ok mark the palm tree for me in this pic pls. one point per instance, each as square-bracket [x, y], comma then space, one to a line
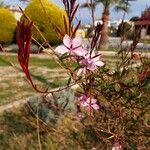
[124, 6]
[104, 41]
[92, 7]
[1, 3]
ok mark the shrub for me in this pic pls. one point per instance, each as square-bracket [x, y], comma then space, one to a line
[7, 26]
[135, 18]
[45, 21]
[112, 104]
[123, 29]
[47, 106]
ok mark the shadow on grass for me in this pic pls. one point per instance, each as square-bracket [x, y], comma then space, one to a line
[11, 124]
[37, 77]
[57, 82]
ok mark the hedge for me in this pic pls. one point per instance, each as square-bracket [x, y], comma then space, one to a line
[46, 20]
[7, 26]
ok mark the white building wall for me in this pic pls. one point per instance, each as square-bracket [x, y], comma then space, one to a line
[101, 22]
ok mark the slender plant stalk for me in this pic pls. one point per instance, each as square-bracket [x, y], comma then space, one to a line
[38, 127]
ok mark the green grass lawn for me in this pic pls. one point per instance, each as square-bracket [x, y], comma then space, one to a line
[6, 60]
[18, 88]
[46, 73]
[14, 85]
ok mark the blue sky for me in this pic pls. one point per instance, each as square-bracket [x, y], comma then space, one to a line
[136, 8]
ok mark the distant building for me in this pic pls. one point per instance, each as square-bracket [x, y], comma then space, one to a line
[143, 23]
[115, 24]
[101, 22]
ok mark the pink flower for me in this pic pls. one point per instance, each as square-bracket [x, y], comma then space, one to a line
[117, 146]
[135, 56]
[71, 46]
[90, 63]
[81, 115]
[88, 102]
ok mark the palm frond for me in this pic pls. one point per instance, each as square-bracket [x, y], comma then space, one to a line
[122, 8]
[107, 3]
[88, 5]
[1, 4]
[123, 5]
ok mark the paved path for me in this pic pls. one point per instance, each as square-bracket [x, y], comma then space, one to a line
[44, 55]
[115, 41]
[112, 53]
[14, 104]
[37, 55]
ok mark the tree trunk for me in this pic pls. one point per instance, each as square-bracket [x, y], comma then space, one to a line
[104, 39]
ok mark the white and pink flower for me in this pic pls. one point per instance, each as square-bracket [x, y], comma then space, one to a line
[88, 102]
[117, 146]
[90, 62]
[71, 46]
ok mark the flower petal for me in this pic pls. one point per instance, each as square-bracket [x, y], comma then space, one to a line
[93, 101]
[79, 71]
[84, 70]
[76, 42]
[84, 104]
[67, 41]
[61, 49]
[95, 106]
[91, 67]
[99, 63]
[88, 100]
[83, 98]
[92, 55]
[97, 58]
[80, 51]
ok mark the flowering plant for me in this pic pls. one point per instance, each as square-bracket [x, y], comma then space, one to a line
[112, 103]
